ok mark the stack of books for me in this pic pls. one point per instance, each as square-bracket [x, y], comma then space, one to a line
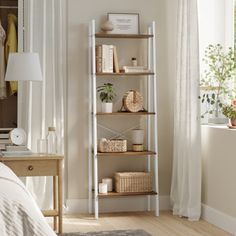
[4, 138]
[106, 59]
[135, 69]
[14, 150]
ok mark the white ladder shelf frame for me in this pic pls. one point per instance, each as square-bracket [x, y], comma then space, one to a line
[93, 155]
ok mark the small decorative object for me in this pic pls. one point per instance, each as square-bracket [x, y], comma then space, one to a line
[52, 140]
[106, 95]
[102, 188]
[113, 145]
[230, 112]
[134, 61]
[107, 26]
[18, 136]
[124, 23]
[132, 101]
[216, 80]
[137, 136]
[137, 139]
[133, 182]
[108, 181]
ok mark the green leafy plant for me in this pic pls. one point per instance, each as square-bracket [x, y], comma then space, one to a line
[217, 79]
[230, 110]
[106, 92]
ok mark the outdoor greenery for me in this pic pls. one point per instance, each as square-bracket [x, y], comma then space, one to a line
[217, 79]
[106, 92]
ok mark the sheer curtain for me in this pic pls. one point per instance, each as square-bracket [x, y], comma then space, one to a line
[43, 104]
[186, 173]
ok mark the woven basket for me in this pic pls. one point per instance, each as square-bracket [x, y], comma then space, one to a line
[133, 101]
[133, 182]
[113, 145]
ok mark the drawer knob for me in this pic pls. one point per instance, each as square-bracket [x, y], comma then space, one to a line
[30, 168]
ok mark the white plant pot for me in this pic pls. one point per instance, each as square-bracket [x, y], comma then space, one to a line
[107, 107]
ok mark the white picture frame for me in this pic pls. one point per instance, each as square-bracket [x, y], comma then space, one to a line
[124, 23]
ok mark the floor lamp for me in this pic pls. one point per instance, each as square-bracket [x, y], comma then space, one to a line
[24, 67]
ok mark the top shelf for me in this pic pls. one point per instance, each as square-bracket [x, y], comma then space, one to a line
[124, 36]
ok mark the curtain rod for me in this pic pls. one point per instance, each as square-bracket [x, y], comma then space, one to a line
[8, 7]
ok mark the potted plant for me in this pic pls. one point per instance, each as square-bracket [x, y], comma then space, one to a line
[217, 80]
[106, 95]
[230, 112]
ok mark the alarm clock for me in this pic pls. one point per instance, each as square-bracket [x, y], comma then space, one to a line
[18, 136]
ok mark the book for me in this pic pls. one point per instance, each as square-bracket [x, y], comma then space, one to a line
[115, 58]
[98, 58]
[5, 141]
[104, 58]
[16, 148]
[135, 69]
[16, 153]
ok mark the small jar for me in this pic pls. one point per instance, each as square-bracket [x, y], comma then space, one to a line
[134, 61]
[52, 140]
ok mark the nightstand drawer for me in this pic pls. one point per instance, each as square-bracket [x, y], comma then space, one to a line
[33, 168]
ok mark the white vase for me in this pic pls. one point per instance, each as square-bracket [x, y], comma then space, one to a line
[107, 107]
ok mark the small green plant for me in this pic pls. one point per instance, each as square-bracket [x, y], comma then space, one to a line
[217, 79]
[230, 110]
[106, 92]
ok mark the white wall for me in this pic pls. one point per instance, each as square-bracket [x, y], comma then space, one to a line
[79, 14]
[218, 178]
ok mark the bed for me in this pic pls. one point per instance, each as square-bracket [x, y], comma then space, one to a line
[19, 213]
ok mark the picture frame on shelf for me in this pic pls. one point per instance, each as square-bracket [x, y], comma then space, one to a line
[124, 23]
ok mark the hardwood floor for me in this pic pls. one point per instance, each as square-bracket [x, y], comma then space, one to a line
[165, 225]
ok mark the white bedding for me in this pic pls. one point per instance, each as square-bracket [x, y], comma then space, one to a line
[19, 214]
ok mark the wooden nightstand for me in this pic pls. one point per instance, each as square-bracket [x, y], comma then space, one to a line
[42, 165]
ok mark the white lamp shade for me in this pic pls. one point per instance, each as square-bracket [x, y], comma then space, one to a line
[23, 66]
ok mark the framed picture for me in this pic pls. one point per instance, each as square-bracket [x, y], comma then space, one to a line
[124, 23]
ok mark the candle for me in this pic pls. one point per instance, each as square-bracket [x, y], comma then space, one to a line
[102, 188]
[108, 181]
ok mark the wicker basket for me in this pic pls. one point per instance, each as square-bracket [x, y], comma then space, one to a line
[113, 145]
[133, 182]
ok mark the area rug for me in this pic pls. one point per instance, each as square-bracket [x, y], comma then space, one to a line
[112, 233]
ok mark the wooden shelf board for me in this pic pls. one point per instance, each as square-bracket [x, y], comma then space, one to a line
[124, 36]
[50, 213]
[115, 194]
[125, 113]
[128, 153]
[125, 74]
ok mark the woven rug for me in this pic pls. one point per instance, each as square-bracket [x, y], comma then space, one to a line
[112, 233]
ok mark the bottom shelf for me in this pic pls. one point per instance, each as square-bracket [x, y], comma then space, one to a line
[115, 194]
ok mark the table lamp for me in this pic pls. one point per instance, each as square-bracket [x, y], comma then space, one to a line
[25, 66]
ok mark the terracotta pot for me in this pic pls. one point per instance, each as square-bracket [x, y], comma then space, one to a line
[233, 121]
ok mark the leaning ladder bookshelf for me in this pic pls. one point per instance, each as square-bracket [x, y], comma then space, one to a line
[151, 119]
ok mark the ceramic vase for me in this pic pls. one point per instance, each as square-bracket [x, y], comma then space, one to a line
[107, 26]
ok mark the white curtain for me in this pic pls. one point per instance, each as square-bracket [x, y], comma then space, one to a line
[42, 104]
[186, 173]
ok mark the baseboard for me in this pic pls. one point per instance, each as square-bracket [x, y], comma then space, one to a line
[75, 206]
[219, 219]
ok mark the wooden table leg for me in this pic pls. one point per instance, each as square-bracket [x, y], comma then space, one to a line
[55, 202]
[60, 195]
